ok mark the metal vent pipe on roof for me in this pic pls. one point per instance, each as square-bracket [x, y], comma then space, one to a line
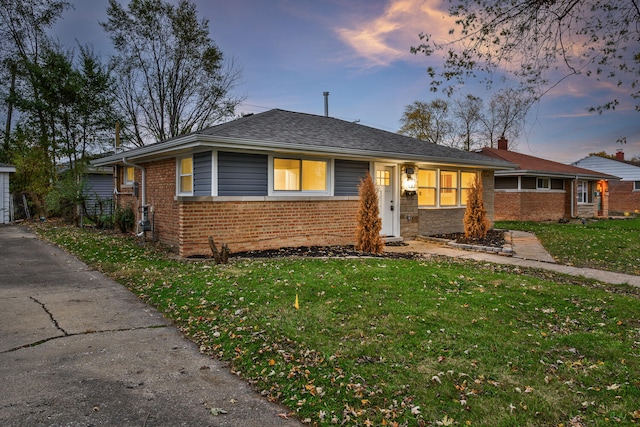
[326, 103]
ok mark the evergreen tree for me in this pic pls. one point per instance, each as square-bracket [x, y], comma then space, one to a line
[369, 223]
[476, 224]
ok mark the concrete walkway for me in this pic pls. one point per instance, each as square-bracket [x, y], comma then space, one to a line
[78, 349]
[528, 252]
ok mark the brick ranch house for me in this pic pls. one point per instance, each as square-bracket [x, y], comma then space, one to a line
[624, 195]
[286, 179]
[542, 190]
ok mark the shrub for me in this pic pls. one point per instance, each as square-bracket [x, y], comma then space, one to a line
[125, 218]
[369, 224]
[65, 197]
[476, 224]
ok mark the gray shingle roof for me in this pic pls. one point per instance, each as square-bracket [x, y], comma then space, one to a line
[287, 127]
[287, 130]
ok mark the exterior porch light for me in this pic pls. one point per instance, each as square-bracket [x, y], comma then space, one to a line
[409, 181]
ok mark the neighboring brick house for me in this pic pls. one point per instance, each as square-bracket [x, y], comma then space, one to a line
[5, 196]
[542, 190]
[281, 179]
[624, 195]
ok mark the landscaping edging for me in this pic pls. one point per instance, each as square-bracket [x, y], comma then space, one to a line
[505, 250]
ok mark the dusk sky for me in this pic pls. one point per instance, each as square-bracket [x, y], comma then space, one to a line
[291, 51]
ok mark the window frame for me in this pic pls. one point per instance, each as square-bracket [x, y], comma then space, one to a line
[542, 178]
[459, 203]
[180, 175]
[455, 189]
[436, 172]
[463, 200]
[636, 185]
[583, 197]
[125, 172]
[300, 192]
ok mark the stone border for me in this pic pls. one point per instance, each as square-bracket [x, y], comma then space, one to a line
[505, 250]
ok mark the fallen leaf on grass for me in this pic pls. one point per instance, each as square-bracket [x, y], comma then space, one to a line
[446, 421]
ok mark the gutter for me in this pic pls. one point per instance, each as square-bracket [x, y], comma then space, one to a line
[199, 140]
[573, 196]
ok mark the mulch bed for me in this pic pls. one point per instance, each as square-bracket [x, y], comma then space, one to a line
[494, 239]
[320, 251]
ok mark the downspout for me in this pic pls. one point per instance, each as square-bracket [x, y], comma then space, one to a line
[143, 185]
[573, 196]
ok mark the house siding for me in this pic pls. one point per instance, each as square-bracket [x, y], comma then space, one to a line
[348, 174]
[241, 174]
[268, 224]
[98, 191]
[202, 173]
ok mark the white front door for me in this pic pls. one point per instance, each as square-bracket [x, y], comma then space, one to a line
[385, 183]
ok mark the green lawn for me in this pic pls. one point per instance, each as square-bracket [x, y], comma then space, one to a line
[612, 245]
[398, 342]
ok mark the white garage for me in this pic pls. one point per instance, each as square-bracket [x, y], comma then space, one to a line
[5, 196]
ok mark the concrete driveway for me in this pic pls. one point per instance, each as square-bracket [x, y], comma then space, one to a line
[77, 349]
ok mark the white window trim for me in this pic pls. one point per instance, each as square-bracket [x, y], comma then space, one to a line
[295, 193]
[586, 192]
[636, 186]
[438, 188]
[179, 175]
[547, 188]
[214, 173]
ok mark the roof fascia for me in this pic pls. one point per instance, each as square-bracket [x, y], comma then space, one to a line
[548, 174]
[192, 141]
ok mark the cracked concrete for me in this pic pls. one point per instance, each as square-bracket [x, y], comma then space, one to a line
[77, 349]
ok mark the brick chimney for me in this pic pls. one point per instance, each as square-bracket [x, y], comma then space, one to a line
[620, 155]
[502, 143]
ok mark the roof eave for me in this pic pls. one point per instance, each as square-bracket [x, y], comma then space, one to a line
[522, 172]
[193, 140]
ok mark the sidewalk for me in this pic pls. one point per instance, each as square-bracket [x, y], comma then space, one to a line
[528, 252]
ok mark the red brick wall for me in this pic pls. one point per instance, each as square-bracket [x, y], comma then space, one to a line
[247, 225]
[529, 206]
[161, 191]
[622, 198]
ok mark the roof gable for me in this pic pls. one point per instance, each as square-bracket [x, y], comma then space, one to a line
[622, 169]
[534, 165]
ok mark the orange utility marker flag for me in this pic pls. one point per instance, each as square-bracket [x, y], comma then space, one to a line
[296, 305]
